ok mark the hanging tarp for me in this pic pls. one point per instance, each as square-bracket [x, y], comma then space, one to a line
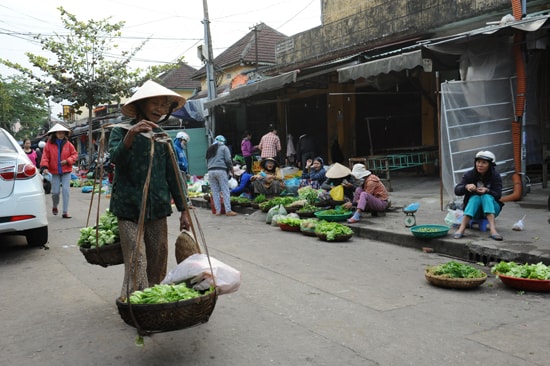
[191, 111]
[476, 115]
[396, 63]
[262, 86]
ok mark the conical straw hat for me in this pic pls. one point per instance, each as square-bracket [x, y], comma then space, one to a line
[148, 90]
[338, 171]
[58, 127]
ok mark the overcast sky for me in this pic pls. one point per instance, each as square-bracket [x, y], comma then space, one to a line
[175, 27]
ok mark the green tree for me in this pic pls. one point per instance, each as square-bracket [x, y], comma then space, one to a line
[80, 72]
[20, 103]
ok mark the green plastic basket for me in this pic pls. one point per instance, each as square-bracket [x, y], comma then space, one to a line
[430, 231]
[321, 215]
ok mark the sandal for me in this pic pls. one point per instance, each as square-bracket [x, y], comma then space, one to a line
[66, 216]
[458, 236]
[351, 220]
[55, 211]
[496, 237]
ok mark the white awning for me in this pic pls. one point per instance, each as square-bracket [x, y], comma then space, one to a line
[403, 61]
[262, 86]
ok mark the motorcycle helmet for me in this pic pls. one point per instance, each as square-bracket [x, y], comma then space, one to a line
[486, 155]
[220, 139]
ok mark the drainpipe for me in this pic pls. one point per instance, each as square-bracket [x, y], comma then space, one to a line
[518, 10]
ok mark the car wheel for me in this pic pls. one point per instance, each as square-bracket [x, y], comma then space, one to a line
[37, 237]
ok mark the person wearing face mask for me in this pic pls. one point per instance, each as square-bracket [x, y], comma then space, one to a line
[180, 144]
[129, 148]
[58, 158]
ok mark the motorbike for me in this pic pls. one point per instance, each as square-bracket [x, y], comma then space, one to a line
[97, 162]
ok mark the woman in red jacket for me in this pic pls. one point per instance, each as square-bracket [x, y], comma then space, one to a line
[58, 158]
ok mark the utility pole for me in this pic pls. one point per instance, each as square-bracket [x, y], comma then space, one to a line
[210, 74]
[255, 29]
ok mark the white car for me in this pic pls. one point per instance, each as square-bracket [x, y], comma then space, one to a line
[22, 198]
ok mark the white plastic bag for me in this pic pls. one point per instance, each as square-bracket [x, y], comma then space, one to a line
[232, 183]
[275, 210]
[454, 217]
[519, 225]
[197, 269]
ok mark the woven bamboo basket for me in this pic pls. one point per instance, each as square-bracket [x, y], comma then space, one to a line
[156, 318]
[459, 283]
[337, 238]
[105, 256]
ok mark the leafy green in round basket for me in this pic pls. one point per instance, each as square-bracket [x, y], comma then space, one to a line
[455, 275]
[332, 230]
[454, 269]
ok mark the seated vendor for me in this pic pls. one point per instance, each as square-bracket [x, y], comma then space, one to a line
[371, 196]
[269, 181]
[245, 185]
[339, 174]
[313, 174]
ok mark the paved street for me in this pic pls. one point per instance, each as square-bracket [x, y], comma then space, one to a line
[302, 301]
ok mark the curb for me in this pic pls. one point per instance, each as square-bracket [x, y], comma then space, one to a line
[469, 250]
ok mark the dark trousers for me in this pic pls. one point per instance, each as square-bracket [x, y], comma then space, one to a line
[248, 162]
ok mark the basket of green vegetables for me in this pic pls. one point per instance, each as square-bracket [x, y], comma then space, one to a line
[455, 275]
[332, 231]
[164, 308]
[101, 244]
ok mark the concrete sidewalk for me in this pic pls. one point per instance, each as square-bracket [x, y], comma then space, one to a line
[531, 245]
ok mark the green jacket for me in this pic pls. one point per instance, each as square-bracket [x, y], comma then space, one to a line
[131, 172]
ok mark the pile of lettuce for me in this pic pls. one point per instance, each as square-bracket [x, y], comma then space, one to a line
[537, 271]
[106, 233]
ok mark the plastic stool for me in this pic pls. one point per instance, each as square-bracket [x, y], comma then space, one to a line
[481, 223]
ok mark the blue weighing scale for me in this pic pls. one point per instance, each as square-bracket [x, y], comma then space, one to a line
[410, 219]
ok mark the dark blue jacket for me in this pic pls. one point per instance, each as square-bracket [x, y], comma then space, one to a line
[491, 180]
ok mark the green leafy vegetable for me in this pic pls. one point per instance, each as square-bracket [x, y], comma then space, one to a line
[162, 294]
[106, 233]
[454, 269]
[276, 201]
[307, 193]
[332, 229]
[260, 198]
[291, 221]
[537, 271]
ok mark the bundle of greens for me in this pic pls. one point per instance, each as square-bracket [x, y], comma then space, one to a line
[307, 193]
[291, 221]
[454, 269]
[162, 294]
[537, 271]
[265, 206]
[107, 232]
[332, 229]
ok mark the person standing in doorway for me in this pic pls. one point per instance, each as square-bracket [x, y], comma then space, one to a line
[270, 144]
[247, 149]
[305, 149]
[57, 159]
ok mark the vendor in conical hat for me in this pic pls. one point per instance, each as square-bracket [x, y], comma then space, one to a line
[270, 180]
[129, 148]
[340, 174]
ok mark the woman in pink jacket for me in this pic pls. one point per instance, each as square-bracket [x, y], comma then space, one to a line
[58, 158]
